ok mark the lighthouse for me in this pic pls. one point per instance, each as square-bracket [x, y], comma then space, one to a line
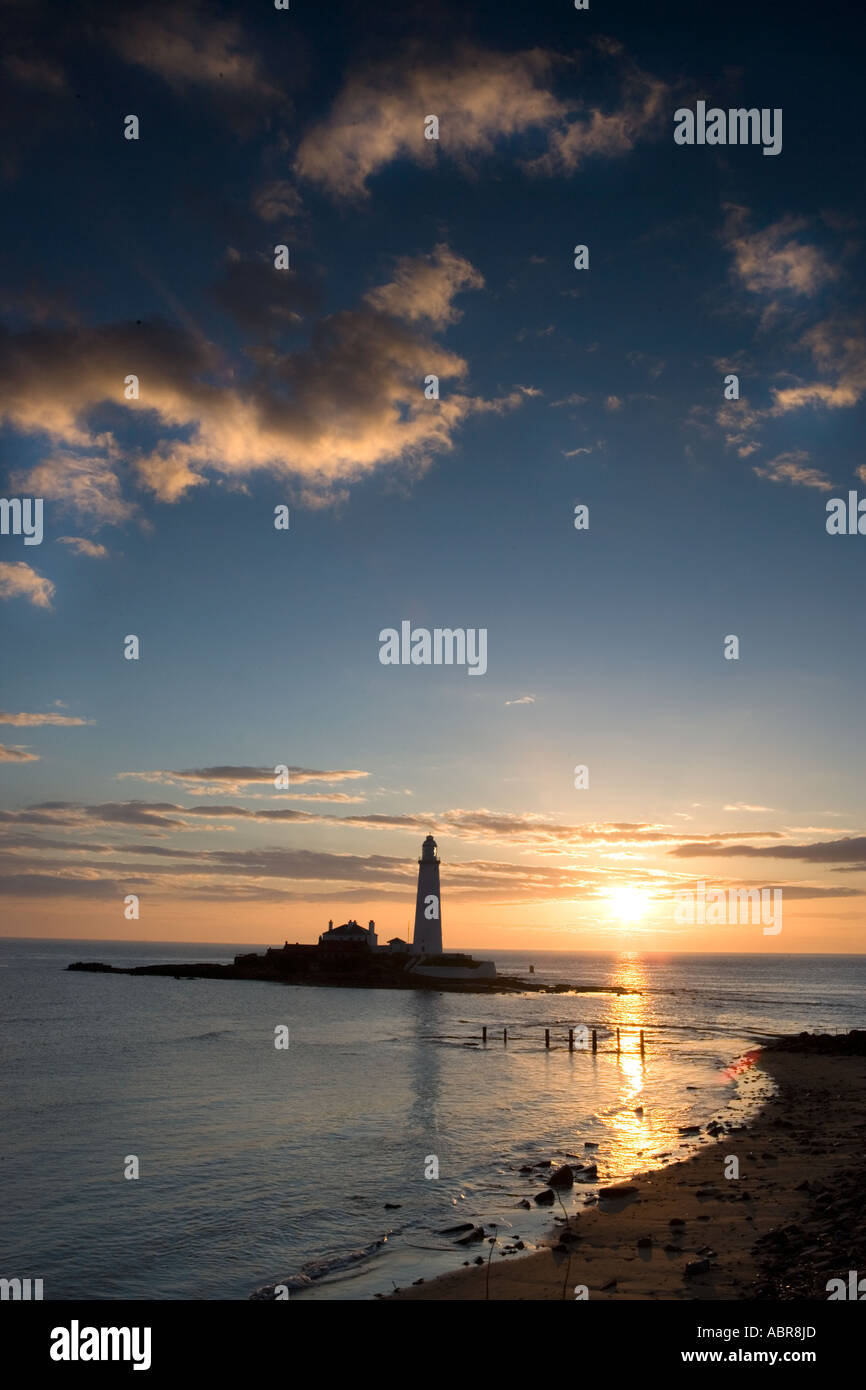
[427, 936]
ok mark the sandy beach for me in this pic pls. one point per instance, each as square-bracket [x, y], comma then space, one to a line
[791, 1220]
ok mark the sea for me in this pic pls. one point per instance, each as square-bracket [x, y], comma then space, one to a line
[157, 1143]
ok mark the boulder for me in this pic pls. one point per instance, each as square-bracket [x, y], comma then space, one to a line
[561, 1177]
[477, 1233]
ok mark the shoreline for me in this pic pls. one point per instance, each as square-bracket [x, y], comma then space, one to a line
[791, 1221]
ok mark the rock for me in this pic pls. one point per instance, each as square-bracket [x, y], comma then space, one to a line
[613, 1194]
[708, 1251]
[588, 1144]
[689, 1129]
[519, 1245]
[697, 1267]
[562, 1177]
[561, 1249]
[545, 1198]
[524, 1203]
[644, 1242]
[476, 1233]
[455, 1230]
[393, 1206]
[590, 1172]
[610, 1285]
[526, 1168]
[417, 1281]
[676, 1221]
[479, 1259]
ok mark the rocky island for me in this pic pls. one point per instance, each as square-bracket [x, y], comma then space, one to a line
[345, 967]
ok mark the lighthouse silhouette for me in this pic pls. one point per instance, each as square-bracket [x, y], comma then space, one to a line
[427, 936]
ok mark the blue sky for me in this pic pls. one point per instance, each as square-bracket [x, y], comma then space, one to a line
[558, 387]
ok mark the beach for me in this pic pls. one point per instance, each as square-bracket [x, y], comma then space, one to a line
[790, 1222]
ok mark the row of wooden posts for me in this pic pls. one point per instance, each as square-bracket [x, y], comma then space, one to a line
[570, 1039]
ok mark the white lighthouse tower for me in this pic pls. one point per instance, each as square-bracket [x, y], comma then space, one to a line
[427, 936]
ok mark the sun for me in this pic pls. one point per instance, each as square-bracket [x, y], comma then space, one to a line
[628, 904]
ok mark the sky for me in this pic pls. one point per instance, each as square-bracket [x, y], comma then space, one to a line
[304, 388]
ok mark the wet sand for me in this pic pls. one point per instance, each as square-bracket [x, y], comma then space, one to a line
[792, 1220]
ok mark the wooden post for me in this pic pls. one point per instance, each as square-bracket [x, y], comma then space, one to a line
[505, 1035]
[594, 1041]
[641, 1042]
[617, 1040]
[547, 1037]
[484, 1034]
[571, 1039]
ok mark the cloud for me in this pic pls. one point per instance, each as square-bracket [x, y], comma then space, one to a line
[204, 781]
[773, 259]
[86, 484]
[424, 287]
[277, 201]
[573, 399]
[261, 298]
[19, 580]
[263, 873]
[838, 348]
[81, 546]
[35, 861]
[654, 366]
[31, 71]
[846, 851]
[524, 700]
[187, 46]
[33, 721]
[529, 832]
[378, 117]
[479, 97]
[793, 468]
[743, 806]
[739, 420]
[16, 754]
[613, 403]
[593, 133]
[349, 402]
